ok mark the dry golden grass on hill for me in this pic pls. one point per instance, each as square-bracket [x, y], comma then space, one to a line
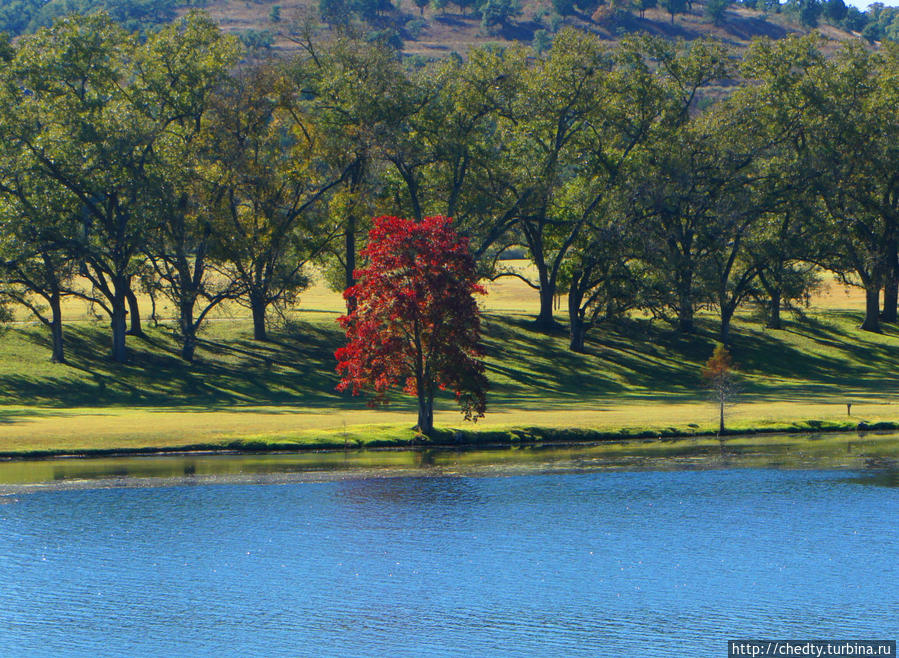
[449, 30]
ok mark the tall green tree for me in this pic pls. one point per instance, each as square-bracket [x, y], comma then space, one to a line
[271, 185]
[458, 127]
[601, 268]
[674, 185]
[38, 227]
[544, 126]
[674, 7]
[181, 69]
[351, 79]
[74, 114]
[785, 244]
[602, 277]
[847, 144]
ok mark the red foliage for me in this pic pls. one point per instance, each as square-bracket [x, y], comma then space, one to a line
[416, 324]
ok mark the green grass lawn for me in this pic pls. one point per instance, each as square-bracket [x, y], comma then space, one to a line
[638, 378]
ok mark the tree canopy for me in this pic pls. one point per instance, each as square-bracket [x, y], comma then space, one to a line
[415, 324]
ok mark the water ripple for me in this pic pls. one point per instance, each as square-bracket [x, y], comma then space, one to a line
[598, 564]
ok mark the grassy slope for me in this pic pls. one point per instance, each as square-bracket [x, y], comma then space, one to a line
[448, 30]
[638, 377]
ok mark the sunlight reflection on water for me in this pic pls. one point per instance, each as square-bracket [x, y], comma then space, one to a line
[552, 558]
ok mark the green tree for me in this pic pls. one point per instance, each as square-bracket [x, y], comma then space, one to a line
[807, 11]
[602, 276]
[335, 13]
[271, 184]
[751, 185]
[785, 245]
[855, 19]
[181, 69]
[542, 41]
[457, 126]
[835, 10]
[564, 7]
[38, 227]
[716, 10]
[848, 149]
[782, 248]
[544, 127]
[350, 79]
[497, 14]
[75, 115]
[643, 5]
[602, 272]
[673, 187]
[674, 7]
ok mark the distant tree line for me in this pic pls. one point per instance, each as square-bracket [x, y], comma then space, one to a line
[639, 178]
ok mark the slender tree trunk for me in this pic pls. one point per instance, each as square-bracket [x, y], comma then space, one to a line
[774, 301]
[891, 279]
[426, 412]
[578, 336]
[257, 306]
[727, 314]
[56, 329]
[545, 319]
[133, 314]
[890, 298]
[118, 317]
[153, 319]
[576, 325]
[547, 290]
[188, 330]
[721, 416]
[872, 308]
[685, 323]
[55, 301]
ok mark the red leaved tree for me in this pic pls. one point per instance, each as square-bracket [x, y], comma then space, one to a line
[416, 324]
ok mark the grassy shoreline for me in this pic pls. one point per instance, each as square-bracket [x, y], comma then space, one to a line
[398, 437]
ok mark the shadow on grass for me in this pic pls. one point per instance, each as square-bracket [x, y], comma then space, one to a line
[633, 360]
[292, 368]
[819, 356]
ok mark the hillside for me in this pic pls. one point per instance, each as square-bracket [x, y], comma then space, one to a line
[436, 33]
[435, 28]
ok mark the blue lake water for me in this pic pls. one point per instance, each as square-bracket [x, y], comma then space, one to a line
[598, 563]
